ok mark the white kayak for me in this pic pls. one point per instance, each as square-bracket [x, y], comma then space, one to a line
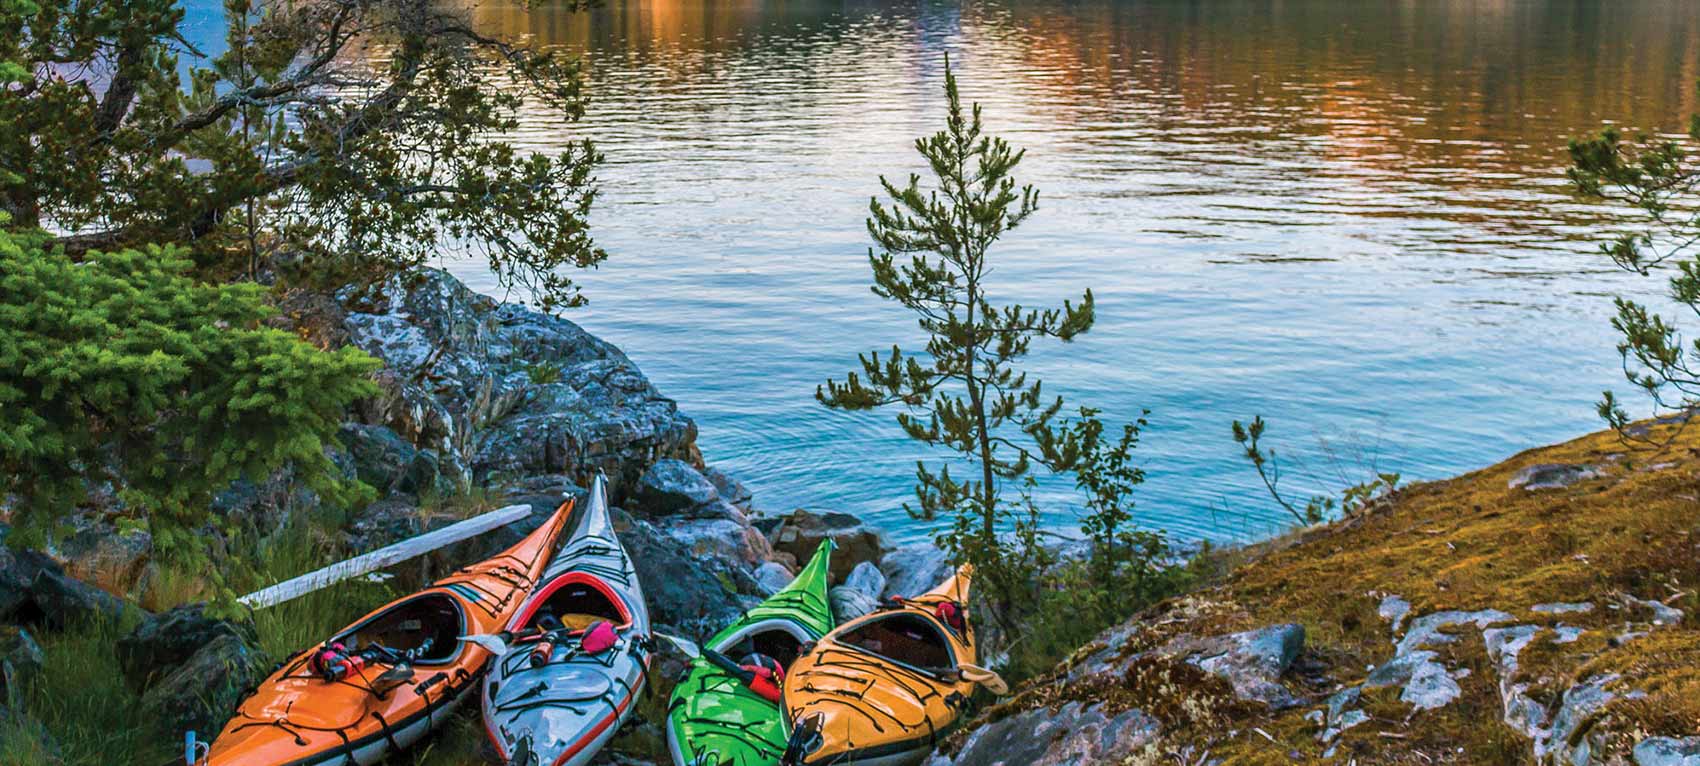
[578, 651]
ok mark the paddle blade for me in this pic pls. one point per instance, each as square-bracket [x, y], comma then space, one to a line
[493, 644]
[688, 647]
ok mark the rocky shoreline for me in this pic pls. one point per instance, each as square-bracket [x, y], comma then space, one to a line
[1539, 611]
[478, 399]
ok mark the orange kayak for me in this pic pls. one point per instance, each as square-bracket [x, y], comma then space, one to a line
[384, 682]
[884, 689]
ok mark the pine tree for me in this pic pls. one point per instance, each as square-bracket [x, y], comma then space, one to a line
[122, 370]
[966, 393]
[1656, 177]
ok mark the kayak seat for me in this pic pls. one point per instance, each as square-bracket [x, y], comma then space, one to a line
[576, 601]
[780, 645]
[577, 622]
[423, 629]
[905, 637]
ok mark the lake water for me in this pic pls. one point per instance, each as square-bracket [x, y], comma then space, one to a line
[1346, 215]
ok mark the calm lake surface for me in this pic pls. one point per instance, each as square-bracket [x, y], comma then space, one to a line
[1346, 215]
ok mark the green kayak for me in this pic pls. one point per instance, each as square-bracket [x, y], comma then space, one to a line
[718, 715]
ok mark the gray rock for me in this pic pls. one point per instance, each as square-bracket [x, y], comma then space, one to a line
[1520, 711]
[1575, 708]
[388, 462]
[1567, 634]
[201, 694]
[1073, 735]
[498, 390]
[688, 594]
[1400, 669]
[63, 601]
[1394, 610]
[102, 555]
[914, 569]
[1342, 714]
[1430, 687]
[18, 570]
[1251, 661]
[1579, 607]
[20, 660]
[1552, 476]
[1426, 630]
[849, 603]
[1668, 751]
[718, 537]
[1662, 615]
[867, 578]
[729, 488]
[162, 642]
[672, 486]
[772, 576]
[854, 541]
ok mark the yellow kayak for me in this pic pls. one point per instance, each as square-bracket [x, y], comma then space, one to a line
[886, 688]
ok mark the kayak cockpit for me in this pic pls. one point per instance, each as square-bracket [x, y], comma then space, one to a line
[780, 639]
[423, 630]
[905, 638]
[577, 600]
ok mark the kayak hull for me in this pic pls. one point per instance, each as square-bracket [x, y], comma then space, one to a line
[563, 711]
[713, 718]
[883, 689]
[296, 718]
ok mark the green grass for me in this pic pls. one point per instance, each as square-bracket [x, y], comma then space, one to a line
[82, 700]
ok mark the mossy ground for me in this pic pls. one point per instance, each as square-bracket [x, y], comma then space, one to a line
[1468, 543]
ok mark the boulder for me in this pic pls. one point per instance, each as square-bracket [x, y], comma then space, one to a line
[200, 694]
[672, 486]
[801, 532]
[106, 557]
[867, 578]
[388, 462]
[1551, 476]
[162, 642]
[20, 660]
[849, 603]
[500, 391]
[718, 537]
[772, 576]
[18, 570]
[914, 569]
[728, 487]
[691, 595]
[62, 601]
[1071, 735]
